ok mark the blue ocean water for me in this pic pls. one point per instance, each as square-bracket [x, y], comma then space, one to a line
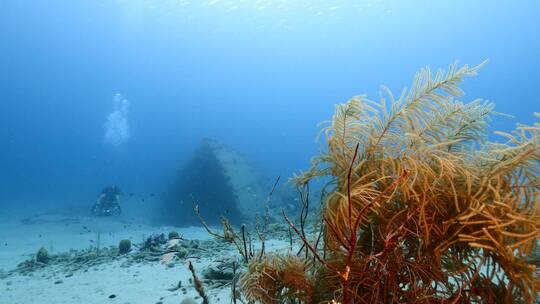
[257, 75]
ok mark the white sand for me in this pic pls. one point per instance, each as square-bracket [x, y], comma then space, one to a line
[136, 284]
[140, 283]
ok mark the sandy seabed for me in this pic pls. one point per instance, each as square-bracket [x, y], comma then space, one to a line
[118, 280]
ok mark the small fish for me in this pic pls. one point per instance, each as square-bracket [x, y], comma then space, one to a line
[131, 194]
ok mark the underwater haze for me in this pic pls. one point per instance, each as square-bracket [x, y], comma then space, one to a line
[96, 92]
[150, 149]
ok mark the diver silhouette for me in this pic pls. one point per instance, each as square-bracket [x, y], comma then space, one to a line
[108, 202]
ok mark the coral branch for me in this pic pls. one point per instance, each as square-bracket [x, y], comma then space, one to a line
[418, 207]
[305, 241]
[197, 283]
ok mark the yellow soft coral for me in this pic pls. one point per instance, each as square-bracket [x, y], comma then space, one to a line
[421, 207]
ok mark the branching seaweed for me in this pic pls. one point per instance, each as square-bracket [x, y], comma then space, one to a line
[420, 207]
[198, 284]
[242, 242]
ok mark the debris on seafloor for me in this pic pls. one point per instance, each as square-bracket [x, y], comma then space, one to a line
[151, 250]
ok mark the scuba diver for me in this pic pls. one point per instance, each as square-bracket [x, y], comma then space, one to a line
[108, 203]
